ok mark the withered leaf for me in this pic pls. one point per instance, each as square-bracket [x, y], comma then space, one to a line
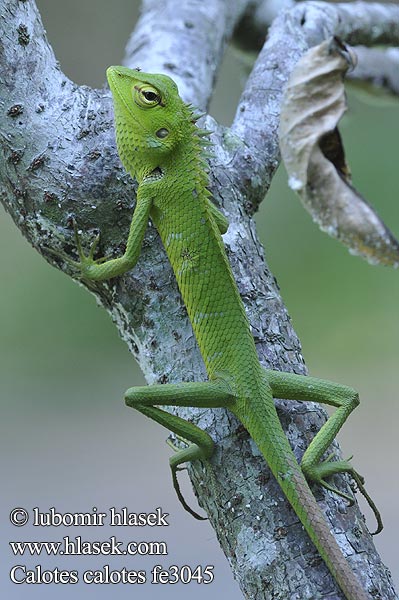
[314, 157]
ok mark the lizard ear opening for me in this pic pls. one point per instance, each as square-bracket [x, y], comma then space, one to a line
[162, 133]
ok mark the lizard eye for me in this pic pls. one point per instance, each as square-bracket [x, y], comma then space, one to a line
[146, 96]
[150, 96]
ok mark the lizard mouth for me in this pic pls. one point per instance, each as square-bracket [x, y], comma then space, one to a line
[155, 175]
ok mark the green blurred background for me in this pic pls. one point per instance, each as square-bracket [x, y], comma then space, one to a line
[67, 439]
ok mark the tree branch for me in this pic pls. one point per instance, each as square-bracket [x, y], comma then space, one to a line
[378, 68]
[198, 30]
[59, 161]
[291, 34]
[260, 14]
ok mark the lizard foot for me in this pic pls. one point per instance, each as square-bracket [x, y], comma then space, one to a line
[318, 473]
[183, 455]
[86, 261]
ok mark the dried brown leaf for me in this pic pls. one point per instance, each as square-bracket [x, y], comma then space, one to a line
[314, 157]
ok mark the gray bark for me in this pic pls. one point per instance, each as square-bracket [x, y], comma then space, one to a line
[59, 161]
[378, 68]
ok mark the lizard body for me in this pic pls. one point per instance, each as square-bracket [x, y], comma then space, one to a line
[159, 144]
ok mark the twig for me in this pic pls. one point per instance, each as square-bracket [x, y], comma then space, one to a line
[292, 33]
[379, 68]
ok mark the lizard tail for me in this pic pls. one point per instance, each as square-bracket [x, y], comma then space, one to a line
[265, 429]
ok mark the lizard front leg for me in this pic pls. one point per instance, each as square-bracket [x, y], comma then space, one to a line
[100, 269]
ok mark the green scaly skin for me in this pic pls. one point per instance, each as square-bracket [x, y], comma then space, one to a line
[160, 144]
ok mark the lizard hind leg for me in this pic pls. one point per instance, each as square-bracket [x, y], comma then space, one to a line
[291, 386]
[209, 394]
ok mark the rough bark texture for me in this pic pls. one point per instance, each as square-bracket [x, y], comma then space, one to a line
[59, 161]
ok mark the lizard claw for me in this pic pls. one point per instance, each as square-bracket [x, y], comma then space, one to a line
[86, 261]
[327, 468]
[360, 486]
[175, 467]
[180, 496]
[64, 257]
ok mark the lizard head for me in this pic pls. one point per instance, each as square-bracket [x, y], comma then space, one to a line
[150, 119]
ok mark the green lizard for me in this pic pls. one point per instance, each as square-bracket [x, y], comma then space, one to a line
[161, 146]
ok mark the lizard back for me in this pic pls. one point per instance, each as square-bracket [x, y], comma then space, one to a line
[196, 252]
